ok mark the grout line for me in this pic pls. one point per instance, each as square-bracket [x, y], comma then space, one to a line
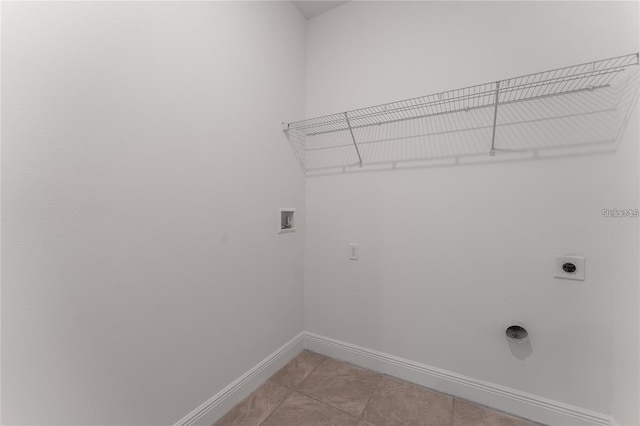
[311, 372]
[502, 413]
[347, 364]
[274, 410]
[371, 396]
[453, 410]
[291, 389]
[378, 385]
[246, 398]
[327, 404]
[417, 385]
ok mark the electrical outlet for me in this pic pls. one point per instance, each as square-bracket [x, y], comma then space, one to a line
[354, 252]
[569, 267]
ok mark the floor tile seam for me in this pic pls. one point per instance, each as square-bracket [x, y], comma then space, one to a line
[371, 396]
[415, 385]
[244, 400]
[378, 374]
[361, 417]
[504, 413]
[278, 406]
[294, 387]
[453, 410]
[409, 384]
[379, 378]
[453, 397]
[291, 389]
[311, 372]
[326, 404]
[350, 364]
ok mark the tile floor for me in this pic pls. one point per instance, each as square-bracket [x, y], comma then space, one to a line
[313, 390]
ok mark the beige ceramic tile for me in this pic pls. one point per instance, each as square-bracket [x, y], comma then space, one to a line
[300, 410]
[256, 407]
[364, 423]
[340, 385]
[400, 403]
[294, 373]
[469, 414]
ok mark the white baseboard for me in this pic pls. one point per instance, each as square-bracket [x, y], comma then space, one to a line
[216, 406]
[498, 397]
[501, 398]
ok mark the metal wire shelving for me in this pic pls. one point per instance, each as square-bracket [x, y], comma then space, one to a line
[338, 140]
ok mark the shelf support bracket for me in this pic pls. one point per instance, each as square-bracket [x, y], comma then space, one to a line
[353, 138]
[285, 130]
[495, 119]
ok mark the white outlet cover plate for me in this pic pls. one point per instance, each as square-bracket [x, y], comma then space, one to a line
[578, 261]
[354, 252]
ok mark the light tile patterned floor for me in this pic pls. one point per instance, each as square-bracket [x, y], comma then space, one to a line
[313, 390]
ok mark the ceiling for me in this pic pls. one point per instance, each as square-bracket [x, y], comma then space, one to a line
[314, 8]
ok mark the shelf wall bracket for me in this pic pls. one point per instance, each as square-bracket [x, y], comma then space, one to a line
[353, 138]
[286, 129]
[495, 120]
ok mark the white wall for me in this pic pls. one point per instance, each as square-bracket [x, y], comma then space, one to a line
[450, 255]
[143, 163]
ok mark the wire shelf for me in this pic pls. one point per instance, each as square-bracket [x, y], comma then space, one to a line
[346, 139]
